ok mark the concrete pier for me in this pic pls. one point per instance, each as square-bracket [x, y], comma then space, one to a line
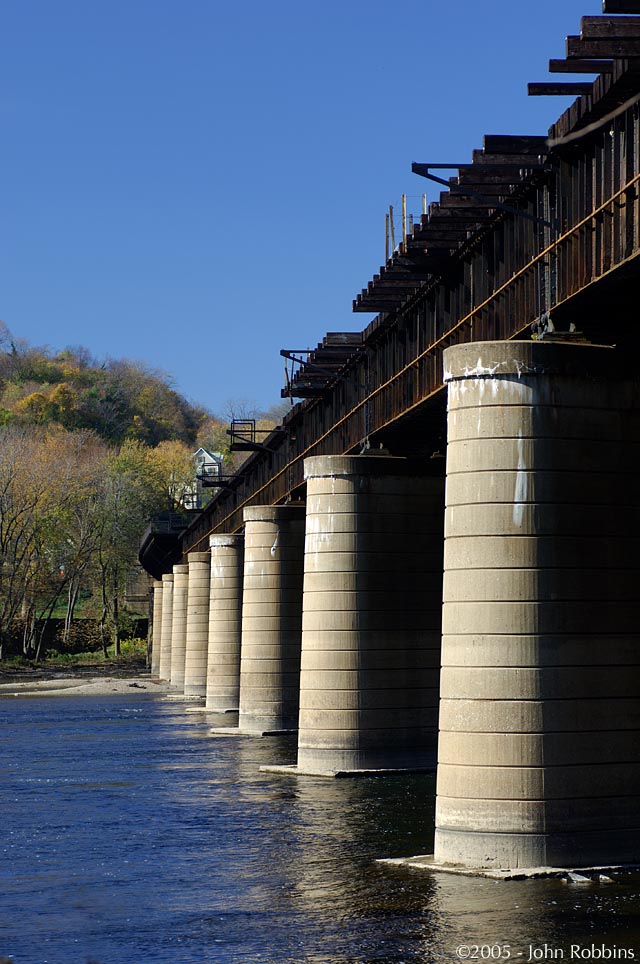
[225, 622]
[156, 634]
[371, 614]
[539, 750]
[195, 664]
[179, 625]
[271, 618]
[166, 624]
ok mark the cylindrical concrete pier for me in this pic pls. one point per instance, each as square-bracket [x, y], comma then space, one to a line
[539, 751]
[271, 618]
[166, 624]
[179, 625]
[371, 613]
[195, 663]
[225, 622]
[156, 634]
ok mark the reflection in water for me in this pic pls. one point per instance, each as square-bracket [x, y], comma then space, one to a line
[534, 913]
[342, 826]
[131, 835]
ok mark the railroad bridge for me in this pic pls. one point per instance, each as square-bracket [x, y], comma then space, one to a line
[533, 228]
[516, 295]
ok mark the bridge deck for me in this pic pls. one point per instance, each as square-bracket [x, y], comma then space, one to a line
[532, 228]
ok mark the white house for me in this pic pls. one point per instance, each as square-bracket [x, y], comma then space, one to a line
[208, 465]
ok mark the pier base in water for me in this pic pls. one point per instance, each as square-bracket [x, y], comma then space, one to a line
[298, 771]
[429, 864]
[236, 731]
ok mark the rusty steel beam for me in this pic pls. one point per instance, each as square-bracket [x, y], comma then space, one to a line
[614, 48]
[621, 6]
[596, 28]
[558, 90]
[581, 66]
[514, 144]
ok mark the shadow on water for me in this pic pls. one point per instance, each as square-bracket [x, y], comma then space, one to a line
[132, 835]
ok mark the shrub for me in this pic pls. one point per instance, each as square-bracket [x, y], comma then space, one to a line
[84, 637]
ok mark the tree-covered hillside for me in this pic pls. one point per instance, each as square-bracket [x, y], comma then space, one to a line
[89, 452]
[117, 399]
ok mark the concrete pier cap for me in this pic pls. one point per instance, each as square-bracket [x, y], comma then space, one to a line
[371, 615]
[271, 618]
[539, 746]
[225, 622]
[493, 359]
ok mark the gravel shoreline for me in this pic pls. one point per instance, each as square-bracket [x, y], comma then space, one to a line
[70, 685]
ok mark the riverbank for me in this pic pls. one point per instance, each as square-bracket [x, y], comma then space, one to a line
[112, 678]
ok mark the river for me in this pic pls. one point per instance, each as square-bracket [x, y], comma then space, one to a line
[132, 835]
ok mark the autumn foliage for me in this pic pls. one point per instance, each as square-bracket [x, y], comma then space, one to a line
[116, 399]
[89, 452]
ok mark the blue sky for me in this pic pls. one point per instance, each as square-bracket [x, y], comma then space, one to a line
[199, 184]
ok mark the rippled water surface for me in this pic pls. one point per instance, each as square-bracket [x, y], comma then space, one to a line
[131, 835]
